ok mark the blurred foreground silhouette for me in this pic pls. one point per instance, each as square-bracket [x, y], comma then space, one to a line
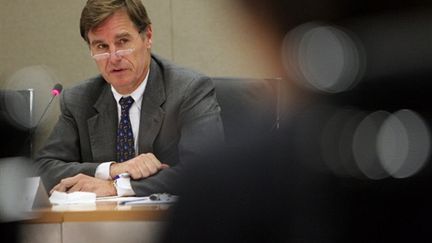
[351, 161]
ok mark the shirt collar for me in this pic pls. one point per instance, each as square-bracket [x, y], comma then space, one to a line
[137, 94]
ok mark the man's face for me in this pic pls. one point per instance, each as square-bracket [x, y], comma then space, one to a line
[125, 69]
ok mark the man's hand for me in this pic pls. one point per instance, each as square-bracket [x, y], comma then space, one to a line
[142, 166]
[85, 183]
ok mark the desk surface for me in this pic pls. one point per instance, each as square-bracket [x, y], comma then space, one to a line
[101, 211]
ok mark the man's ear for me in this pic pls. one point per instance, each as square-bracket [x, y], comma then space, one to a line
[149, 36]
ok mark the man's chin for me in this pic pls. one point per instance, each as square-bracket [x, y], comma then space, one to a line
[119, 80]
[123, 87]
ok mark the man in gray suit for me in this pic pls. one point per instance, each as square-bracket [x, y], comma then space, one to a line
[133, 129]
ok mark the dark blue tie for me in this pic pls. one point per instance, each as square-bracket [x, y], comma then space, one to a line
[125, 139]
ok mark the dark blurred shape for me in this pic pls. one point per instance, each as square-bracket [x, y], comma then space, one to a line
[287, 14]
[15, 130]
[247, 105]
[347, 165]
[11, 232]
[15, 122]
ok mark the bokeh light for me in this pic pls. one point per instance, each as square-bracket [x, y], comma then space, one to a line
[40, 79]
[323, 57]
[16, 107]
[364, 145]
[403, 144]
[336, 140]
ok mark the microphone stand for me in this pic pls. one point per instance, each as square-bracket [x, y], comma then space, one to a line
[54, 92]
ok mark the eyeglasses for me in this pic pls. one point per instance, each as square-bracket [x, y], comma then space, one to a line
[106, 55]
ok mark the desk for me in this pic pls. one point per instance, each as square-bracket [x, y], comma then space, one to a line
[101, 222]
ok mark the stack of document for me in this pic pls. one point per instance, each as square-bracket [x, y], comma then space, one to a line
[72, 198]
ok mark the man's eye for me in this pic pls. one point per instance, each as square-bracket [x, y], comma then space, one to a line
[102, 46]
[123, 41]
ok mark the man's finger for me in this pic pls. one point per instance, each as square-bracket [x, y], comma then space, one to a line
[75, 188]
[151, 166]
[164, 166]
[59, 188]
[154, 161]
[70, 181]
[135, 170]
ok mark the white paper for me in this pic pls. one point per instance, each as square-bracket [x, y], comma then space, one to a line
[72, 198]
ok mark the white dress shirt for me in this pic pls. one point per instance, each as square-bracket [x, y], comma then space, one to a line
[103, 170]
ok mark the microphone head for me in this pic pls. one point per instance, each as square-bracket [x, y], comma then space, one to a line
[57, 89]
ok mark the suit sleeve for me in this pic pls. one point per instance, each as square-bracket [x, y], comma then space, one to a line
[200, 127]
[58, 158]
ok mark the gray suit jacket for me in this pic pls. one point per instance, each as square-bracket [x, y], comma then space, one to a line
[179, 120]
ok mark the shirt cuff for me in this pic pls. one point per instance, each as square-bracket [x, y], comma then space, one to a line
[103, 171]
[124, 187]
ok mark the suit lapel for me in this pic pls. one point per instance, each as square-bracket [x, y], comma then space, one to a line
[151, 112]
[103, 127]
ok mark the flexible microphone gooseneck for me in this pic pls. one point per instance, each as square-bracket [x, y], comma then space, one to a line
[55, 91]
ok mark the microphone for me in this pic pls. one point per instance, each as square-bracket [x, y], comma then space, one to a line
[55, 91]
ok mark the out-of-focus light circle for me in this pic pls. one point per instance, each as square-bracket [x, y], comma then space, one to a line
[14, 106]
[323, 57]
[40, 79]
[364, 145]
[403, 144]
[336, 140]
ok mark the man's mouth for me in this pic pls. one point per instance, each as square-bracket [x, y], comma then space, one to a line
[118, 70]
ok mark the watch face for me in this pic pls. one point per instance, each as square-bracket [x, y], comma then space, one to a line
[122, 175]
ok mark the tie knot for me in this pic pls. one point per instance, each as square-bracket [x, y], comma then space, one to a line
[126, 102]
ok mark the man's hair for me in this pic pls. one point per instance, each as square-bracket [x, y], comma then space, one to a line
[96, 11]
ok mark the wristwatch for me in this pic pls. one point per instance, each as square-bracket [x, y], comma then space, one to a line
[122, 175]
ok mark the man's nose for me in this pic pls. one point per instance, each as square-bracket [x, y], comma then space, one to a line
[114, 57]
